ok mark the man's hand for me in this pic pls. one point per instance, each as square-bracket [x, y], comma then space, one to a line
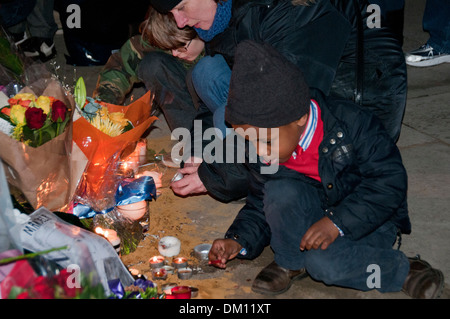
[223, 250]
[190, 184]
[320, 235]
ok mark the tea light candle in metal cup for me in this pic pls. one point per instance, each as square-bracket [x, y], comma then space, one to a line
[169, 269]
[156, 262]
[177, 177]
[159, 274]
[201, 251]
[179, 262]
[194, 292]
[184, 273]
[181, 292]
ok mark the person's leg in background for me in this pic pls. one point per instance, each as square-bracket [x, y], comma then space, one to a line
[13, 16]
[165, 76]
[42, 28]
[211, 78]
[436, 21]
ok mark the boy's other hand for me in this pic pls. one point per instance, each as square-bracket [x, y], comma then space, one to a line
[223, 250]
[320, 235]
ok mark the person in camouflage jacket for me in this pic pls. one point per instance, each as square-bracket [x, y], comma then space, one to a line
[160, 58]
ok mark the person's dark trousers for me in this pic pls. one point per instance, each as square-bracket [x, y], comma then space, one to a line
[15, 12]
[436, 21]
[291, 206]
[165, 76]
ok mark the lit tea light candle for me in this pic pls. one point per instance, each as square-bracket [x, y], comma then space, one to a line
[184, 273]
[156, 261]
[136, 274]
[159, 274]
[111, 236]
[167, 288]
[179, 262]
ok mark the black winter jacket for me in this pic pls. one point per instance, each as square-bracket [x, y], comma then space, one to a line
[322, 40]
[364, 181]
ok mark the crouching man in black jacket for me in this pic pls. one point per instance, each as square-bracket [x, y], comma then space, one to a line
[337, 199]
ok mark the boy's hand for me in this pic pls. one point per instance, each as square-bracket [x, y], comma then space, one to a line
[223, 250]
[320, 234]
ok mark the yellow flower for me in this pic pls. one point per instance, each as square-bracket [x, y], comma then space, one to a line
[119, 118]
[18, 114]
[43, 102]
[106, 126]
[25, 96]
[103, 112]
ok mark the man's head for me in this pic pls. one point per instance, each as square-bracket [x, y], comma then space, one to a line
[194, 13]
[268, 94]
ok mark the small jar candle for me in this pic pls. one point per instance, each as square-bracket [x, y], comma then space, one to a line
[184, 273]
[181, 292]
[156, 262]
[179, 262]
[159, 274]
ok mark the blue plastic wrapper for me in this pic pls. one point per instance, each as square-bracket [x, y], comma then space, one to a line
[129, 191]
[135, 190]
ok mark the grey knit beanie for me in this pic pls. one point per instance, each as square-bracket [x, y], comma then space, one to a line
[266, 90]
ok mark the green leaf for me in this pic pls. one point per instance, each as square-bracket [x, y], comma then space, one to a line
[15, 291]
[80, 93]
[8, 59]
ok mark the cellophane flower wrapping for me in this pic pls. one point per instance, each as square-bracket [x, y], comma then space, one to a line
[45, 174]
[41, 256]
[101, 177]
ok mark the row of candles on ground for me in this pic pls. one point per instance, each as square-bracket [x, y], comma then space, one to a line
[160, 269]
[171, 290]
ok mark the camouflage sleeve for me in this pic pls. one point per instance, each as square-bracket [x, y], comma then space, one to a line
[119, 74]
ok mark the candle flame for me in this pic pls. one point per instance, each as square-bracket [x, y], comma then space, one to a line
[99, 231]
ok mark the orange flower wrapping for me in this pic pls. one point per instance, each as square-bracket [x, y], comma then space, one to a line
[102, 150]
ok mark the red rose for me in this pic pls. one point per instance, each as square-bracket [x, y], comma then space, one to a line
[62, 281]
[42, 288]
[23, 295]
[59, 110]
[35, 117]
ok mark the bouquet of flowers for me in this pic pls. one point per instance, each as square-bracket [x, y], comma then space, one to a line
[106, 133]
[36, 143]
[30, 276]
[34, 120]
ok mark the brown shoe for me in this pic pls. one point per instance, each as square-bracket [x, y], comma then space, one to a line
[274, 279]
[423, 281]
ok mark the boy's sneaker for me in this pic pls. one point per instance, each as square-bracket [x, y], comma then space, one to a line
[38, 48]
[426, 56]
